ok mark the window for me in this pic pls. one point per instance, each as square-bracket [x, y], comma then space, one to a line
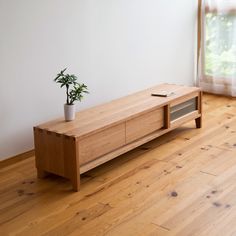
[220, 45]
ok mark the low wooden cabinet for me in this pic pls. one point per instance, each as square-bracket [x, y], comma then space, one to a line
[104, 132]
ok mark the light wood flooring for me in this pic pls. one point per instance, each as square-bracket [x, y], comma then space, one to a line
[183, 183]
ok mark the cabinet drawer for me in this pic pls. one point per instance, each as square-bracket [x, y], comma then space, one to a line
[144, 125]
[98, 144]
[183, 109]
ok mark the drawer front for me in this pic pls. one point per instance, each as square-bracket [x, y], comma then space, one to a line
[143, 125]
[103, 142]
[183, 109]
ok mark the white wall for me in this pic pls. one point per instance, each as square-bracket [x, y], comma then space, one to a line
[115, 46]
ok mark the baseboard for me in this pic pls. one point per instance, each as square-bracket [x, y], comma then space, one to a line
[221, 95]
[15, 159]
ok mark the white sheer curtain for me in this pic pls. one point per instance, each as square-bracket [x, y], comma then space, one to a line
[217, 58]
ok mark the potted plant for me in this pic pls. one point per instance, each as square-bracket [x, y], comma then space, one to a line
[74, 92]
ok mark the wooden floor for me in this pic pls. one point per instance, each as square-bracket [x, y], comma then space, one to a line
[183, 183]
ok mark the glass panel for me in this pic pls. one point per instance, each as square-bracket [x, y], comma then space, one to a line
[183, 109]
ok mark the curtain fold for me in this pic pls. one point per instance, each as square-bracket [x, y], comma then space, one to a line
[217, 54]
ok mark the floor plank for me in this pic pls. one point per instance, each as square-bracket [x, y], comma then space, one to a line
[183, 183]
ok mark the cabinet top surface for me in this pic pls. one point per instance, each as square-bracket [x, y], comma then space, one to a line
[116, 111]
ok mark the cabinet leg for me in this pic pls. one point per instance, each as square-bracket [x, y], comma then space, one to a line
[76, 183]
[198, 122]
[41, 173]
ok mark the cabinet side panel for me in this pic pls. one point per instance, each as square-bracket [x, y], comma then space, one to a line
[38, 146]
[70, 155]
[49, 151]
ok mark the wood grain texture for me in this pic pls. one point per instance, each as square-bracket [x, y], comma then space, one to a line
[16, 158]
[167, 116]
[103, 116]
[140, 126]
[191, 116]
[56, 154]
[96, 145]
[137, 119]
[183, 183]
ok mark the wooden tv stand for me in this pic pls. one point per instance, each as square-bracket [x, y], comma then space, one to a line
[104, 132]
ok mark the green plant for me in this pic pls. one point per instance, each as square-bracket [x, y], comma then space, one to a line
[74, 90]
